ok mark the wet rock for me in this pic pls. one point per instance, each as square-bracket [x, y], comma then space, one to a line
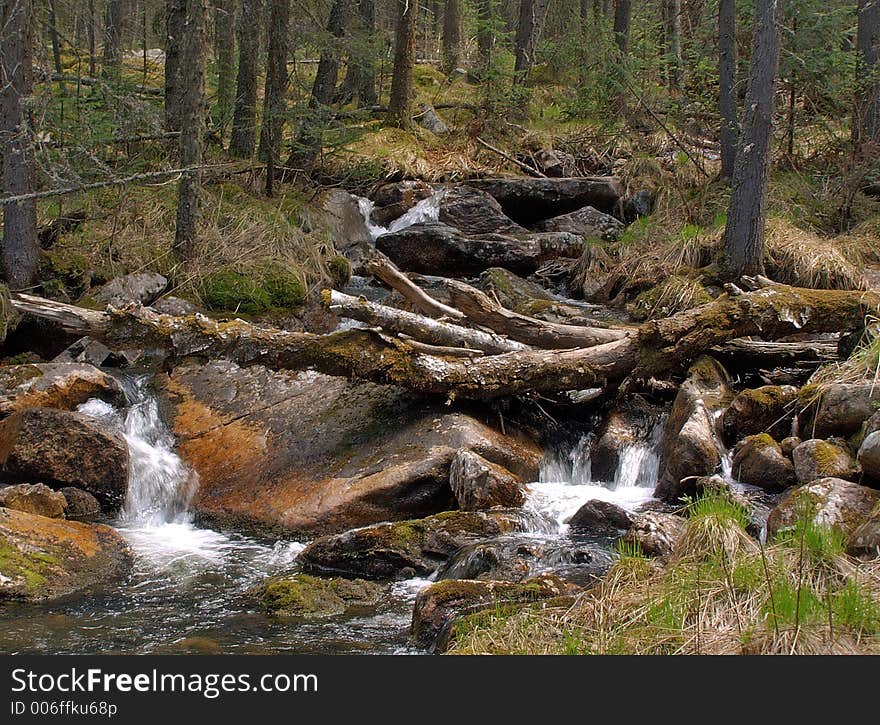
[306, 596]
[43, 559]
[80, 505]
[429, 119]
[529, 200]
[137, 288]
[869, 458]
[303, 453]
[640, 204]
[758, 460]
[689, 447]
[176, 306]
[587, 222]
[436, 248]
[394, 200]
[479, 484]
[767, 409]
[382, 551]
[33, 498]
[500, 561]
[474, 212]
[656, 533]
[341, 216]
[843, 408]
[823, 459]
[627, 423]
[601, 517]
[556, 164]
[439, 604]
[865, 539]
[54, 385]
[65, 449]
[830, 501]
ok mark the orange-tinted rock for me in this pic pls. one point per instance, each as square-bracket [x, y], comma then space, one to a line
[54, 385]
[313, 454]
[43, 559]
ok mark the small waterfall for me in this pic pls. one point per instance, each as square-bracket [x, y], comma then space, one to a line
[426, 210]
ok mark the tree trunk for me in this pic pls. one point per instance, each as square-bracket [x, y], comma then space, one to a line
[485, 32]
[115, 22]
[360, 75]
[729, 134]
[528, 31]
[224, 42]
[192, 122]
[93, 53]
[401, 100]
[744, 234]
[274, 98]
[673, 44]
[622, 18]
[175, 35]
[866, 122]
[656, 348]
[451, 36]
[53, 34]
[20, 247]
[244, 118]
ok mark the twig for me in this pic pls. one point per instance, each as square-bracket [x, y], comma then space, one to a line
[522, 165]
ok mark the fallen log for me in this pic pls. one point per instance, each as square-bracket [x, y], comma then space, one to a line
[423, 329]
[656, 348]
[385, 270]
[761, 354]
[478, 307]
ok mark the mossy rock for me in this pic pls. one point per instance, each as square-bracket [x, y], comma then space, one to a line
[816, 458]
[675, 294]
[252, 291]
[768, 409]
[309, 596]
[340, 271]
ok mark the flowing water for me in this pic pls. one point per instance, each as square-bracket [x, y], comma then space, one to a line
[426, 210]
[187, 590]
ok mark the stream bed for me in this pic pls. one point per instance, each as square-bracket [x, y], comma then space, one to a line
[187, 590]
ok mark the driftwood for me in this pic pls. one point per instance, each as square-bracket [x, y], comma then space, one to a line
[384, 269]
[761, 354]
[655, 348]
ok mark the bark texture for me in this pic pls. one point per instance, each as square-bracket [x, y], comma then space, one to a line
[401, 101]
[729, 135]
[244, 118]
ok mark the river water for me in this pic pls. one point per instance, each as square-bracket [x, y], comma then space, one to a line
[187, 590]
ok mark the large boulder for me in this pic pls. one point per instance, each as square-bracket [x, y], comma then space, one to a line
[529, 200]
[439, 249]
[601, 517]
[823, 459]
[767, 409]
[474, 212]
[587, 222]
[60, 449]
[311, 597]
[43, 559]
[869, 458]
[656, 533]
[758, 460]
[54, 385]
[303, 453]
[438, 605]
[34, 498]
[393, 200]
[843, 408]
[79, 505]
[393, 550]
[480, 484]
[690, 447]
[830, 501]
[136, 288]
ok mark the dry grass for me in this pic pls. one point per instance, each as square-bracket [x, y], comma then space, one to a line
[720, 593]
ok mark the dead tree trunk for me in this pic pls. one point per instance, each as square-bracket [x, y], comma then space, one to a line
[866, 122]
[653, 349]
[744, 234]
[401, 101]
[274, 98]
[224, 43]
[20, 246]
[729, 134]
[175, 32]
[244, 118]
[192, 122]
[451, 35]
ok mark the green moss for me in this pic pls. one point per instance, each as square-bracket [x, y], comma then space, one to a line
[674, 294]
[340, 271]
[761, 440]
[31, 567]
[252, 291]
